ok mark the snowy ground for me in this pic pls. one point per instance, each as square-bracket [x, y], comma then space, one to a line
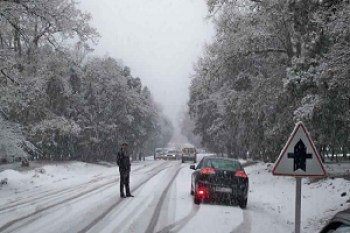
[272, 201]
[79, 197]
[338, 169]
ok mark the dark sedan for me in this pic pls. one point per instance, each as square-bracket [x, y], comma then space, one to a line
[339, 224]
[219, 179]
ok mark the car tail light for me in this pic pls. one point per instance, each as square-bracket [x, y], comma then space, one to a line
[201, 192]
[208, 171]
[241, 174]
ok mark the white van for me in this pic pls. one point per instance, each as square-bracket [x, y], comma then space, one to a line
[189, 154]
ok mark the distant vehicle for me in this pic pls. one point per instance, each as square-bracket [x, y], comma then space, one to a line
[189, 154]
[171, 154]
[219, 179]
[158, 153]
[164, 154]
[340, 223]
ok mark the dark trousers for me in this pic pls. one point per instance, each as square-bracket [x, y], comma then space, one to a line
[124, 181]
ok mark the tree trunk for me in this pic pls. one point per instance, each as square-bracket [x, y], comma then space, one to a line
[336, 154]
[17, 35]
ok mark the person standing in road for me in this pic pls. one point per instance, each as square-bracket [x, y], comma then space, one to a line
[124, 164]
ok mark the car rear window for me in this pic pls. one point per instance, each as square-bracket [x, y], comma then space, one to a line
[189, 151]
[224, 165]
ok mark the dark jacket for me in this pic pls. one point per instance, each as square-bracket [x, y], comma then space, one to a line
[123, 160]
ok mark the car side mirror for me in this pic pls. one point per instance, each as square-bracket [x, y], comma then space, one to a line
[193, 167]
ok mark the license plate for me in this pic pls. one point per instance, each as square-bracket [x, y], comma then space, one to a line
[223, 189]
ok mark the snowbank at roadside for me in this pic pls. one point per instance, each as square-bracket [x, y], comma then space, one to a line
[276, 196]
[338, 169]
[49, 177]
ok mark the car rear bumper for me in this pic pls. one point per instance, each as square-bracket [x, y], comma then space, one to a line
[168, 157]
[189, 158]
[237, 192]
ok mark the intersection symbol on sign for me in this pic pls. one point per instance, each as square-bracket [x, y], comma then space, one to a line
[299, 157]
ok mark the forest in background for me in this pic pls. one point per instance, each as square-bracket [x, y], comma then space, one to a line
[273, 63]
[57, 101]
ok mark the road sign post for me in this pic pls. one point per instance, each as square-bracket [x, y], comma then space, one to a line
[297, 205]
[299, 158]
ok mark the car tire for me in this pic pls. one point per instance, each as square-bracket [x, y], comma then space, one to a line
[196, 200]
[182, 161]
[243, 203]
[192, 192]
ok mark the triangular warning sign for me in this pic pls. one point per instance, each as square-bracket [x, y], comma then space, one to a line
[299, 157]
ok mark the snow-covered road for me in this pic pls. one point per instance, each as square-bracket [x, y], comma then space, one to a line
[162, 203]
[65, 199]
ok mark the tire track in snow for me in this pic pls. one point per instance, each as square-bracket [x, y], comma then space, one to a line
[11, 208]
[136, 211]
[55, 194]
[155, 217]
[39, 211]
[246, 225]
[67, 209]
[113, 206]
[31, 220]
[51, 192]
[178, 225]
[120, 227]
[12, 222]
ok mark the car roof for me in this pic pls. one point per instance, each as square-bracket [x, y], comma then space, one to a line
[343, 215]
[220, 158]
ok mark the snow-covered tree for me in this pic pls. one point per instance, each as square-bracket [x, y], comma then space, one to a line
[273, 63]
[68, 104]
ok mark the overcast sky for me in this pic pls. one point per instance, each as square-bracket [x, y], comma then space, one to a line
[158, 39]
